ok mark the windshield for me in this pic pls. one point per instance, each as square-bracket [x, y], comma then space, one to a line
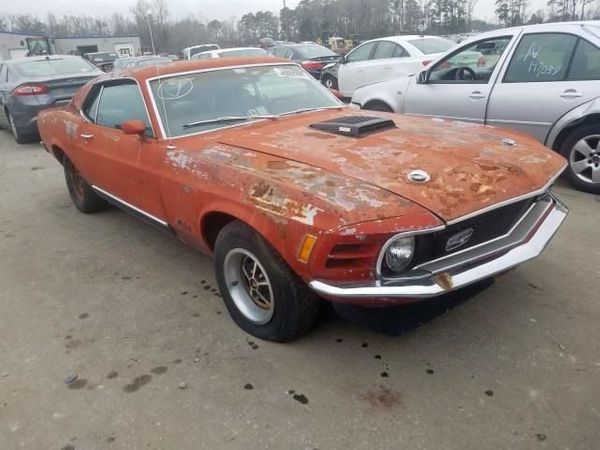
[429, 45]
[243, 52]
[313, 51]
[55, 66]
[203, 48]
[184, 100]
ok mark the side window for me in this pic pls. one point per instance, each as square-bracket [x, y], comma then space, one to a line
[472, 64]
[90, 105]
[541, 57]
[586, 62]
[361, 53]
[400, 52]
[119, 103]
[384, 50]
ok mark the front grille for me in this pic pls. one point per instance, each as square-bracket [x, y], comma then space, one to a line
[486, 226]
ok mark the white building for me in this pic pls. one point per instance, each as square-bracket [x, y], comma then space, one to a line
[14, 45]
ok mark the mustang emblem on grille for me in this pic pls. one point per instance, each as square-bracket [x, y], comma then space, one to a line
[459, 239]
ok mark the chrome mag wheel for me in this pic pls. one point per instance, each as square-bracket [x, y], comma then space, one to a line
[249, 286]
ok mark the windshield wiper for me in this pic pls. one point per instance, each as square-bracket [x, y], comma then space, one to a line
[258, 116]
[228, 119]
[301, 110]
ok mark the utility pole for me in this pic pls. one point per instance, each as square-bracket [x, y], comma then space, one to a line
[148, 17]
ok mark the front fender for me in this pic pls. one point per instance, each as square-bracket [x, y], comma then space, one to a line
[390, 92]
[282, 200]
[571, 118]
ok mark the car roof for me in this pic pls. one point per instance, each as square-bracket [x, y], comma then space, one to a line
[38, 58]
[552, 26]
[295, 44]
[225, 50]
[141, 74]
[199, 45]
[405, 38]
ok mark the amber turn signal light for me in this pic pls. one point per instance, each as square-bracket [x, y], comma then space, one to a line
[306, 247]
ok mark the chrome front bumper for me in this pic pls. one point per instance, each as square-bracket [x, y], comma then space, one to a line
[457, 274]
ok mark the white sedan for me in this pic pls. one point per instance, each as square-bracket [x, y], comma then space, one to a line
[381, 59]
[231, 53]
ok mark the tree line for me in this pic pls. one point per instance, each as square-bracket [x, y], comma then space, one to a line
[362, 19]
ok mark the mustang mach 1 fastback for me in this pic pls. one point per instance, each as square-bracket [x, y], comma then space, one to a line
[298, 196]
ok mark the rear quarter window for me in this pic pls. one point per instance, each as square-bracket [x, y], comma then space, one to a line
[586, 62]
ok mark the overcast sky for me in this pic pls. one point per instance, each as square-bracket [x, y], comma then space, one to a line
[210, 9]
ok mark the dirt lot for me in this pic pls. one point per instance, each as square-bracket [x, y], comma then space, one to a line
[134, 314]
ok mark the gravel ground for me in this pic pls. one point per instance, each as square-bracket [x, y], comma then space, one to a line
[136, 317]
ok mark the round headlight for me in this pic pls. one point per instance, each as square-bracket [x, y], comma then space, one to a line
[399, 253]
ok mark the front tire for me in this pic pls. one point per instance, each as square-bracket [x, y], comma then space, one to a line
[262, 294]
[378, 106]
[83, 196]
[582, 151]
[18, 134]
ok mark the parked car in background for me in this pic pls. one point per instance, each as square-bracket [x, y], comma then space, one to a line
[231, 53]
[102, 60]
[382, 59]
[188, 52]
[28, 85]
[540, 79]
[312, 57]
[298, 196]
[141, 61]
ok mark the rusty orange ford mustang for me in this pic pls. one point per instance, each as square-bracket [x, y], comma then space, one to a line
[298, 196]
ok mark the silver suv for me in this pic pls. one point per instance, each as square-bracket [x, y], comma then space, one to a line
[541, 79]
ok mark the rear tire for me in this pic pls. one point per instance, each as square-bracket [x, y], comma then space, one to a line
[264, 297]
[330, 82]
[582, 151]
[83, 196]
[378, 106]
[19, 136]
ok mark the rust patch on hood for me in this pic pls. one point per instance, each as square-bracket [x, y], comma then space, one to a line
[469, 165]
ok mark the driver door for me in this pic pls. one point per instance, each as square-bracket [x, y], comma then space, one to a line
[123, 167]
[353, 70]
[459, 85]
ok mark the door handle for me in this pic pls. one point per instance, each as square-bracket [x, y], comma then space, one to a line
[476, 94]
[571, 93]
[86, 136]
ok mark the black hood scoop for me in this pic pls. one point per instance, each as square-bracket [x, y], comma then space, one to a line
[355, 126]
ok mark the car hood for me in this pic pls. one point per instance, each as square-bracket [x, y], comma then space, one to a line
[471, 167]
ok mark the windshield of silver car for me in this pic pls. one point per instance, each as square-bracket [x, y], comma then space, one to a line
[195, 102]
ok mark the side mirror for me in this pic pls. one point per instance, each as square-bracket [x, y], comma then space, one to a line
[337, 93]
[342, 59]
[423, 77]
[133, 127]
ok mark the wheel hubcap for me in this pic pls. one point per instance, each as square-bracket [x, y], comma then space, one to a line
[249, 285]
[585, 159]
